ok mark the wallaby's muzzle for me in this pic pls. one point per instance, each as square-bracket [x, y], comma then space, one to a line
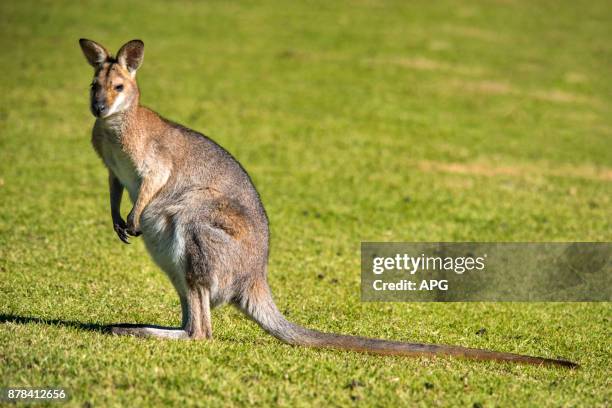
[98, 109]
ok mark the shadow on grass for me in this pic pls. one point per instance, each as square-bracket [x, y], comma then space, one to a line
[92, 327]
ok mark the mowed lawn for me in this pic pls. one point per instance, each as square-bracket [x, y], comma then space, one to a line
[358, 121]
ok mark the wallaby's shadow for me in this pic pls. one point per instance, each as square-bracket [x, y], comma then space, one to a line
[92, 327]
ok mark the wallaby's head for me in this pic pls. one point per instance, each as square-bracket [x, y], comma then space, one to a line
[113, 88]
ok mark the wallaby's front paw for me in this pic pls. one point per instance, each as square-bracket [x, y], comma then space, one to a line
[133, 228]
[120, 228]
[134, 232]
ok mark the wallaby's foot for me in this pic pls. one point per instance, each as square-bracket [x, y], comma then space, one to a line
[202, 335]
[149, 331]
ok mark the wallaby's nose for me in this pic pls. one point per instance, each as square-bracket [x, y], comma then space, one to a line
[98, 108]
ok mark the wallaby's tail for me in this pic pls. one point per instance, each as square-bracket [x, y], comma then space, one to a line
[259, 305]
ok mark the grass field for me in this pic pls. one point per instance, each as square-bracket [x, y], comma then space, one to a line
[360, 121]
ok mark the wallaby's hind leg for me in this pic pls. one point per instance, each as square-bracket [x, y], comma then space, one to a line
[184, 311]
[199, 324]
[196, 320]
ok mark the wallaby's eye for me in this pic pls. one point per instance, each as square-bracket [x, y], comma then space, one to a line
[119, 88]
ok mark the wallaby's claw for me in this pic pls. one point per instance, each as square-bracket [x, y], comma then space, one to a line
[133, 233]
[121, 229]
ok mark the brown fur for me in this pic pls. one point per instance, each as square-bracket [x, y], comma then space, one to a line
[201, 218]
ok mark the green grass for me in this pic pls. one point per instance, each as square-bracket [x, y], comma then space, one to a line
[361, 121]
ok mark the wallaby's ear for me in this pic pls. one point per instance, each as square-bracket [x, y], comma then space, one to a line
[94, 52]
[131, 55]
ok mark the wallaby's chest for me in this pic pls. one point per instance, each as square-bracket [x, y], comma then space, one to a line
[119, 162]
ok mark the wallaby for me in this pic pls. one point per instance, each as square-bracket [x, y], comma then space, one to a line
[202, 219]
